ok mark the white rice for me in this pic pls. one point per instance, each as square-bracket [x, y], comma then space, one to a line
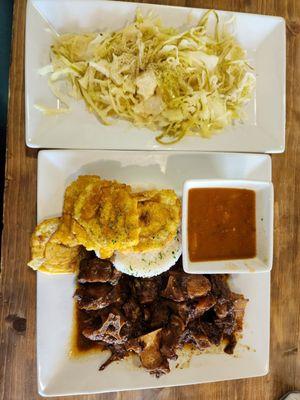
[151, 263]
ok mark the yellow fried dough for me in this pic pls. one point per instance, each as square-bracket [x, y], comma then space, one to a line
[108, 212]
[64, 233]
[159, 219]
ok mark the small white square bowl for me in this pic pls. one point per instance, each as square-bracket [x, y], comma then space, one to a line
[264, 196]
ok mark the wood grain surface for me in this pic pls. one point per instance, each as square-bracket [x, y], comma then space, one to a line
[18, 373]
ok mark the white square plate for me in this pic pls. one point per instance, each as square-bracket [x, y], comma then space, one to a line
[262, 36]
[60, 375]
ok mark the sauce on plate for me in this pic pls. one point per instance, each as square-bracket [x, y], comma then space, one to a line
[80, 345]
[221, 224]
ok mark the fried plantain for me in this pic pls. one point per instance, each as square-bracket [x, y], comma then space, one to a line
[49, 256]
[108, 213]
[159, 219]
[64, 234]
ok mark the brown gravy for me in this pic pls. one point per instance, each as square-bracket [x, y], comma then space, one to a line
[221, 224]
[80, 345]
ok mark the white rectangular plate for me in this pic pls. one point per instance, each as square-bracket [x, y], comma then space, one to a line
[262, 36]
[60, 375]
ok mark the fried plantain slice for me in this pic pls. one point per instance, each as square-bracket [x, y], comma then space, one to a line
[64, 234]
[49, 256]
[70, 266]
[159, 219]
[108, 212]
[83, 238]
[39, 239]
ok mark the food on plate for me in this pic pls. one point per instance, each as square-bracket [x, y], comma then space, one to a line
[192, 82]
[108, 212]
[221, 224]
[151, 262]
[132, 295]
[154, 317]
[160, 213]
[159, 245]
[139, 230]
[64, 232]
[51, 257]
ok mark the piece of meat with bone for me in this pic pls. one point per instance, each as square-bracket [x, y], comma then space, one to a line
[112, 329]
[201, 306]
[181, 287]
[148, 349]
[174, 289]
[197, 286]
[93, 296]
[190, 310]
[150, 354]
[96, 270]
[230, 306]
[224, 304]
[219, 286]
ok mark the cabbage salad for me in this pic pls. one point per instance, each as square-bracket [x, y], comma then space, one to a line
[194, 82]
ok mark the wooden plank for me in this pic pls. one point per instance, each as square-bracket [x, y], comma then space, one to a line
[17, 285]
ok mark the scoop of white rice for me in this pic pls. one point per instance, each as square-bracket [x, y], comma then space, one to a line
[151, 263]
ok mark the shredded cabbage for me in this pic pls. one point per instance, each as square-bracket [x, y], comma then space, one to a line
[180, 83]
[51, 111]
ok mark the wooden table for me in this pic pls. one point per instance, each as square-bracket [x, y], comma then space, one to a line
[17, 293]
